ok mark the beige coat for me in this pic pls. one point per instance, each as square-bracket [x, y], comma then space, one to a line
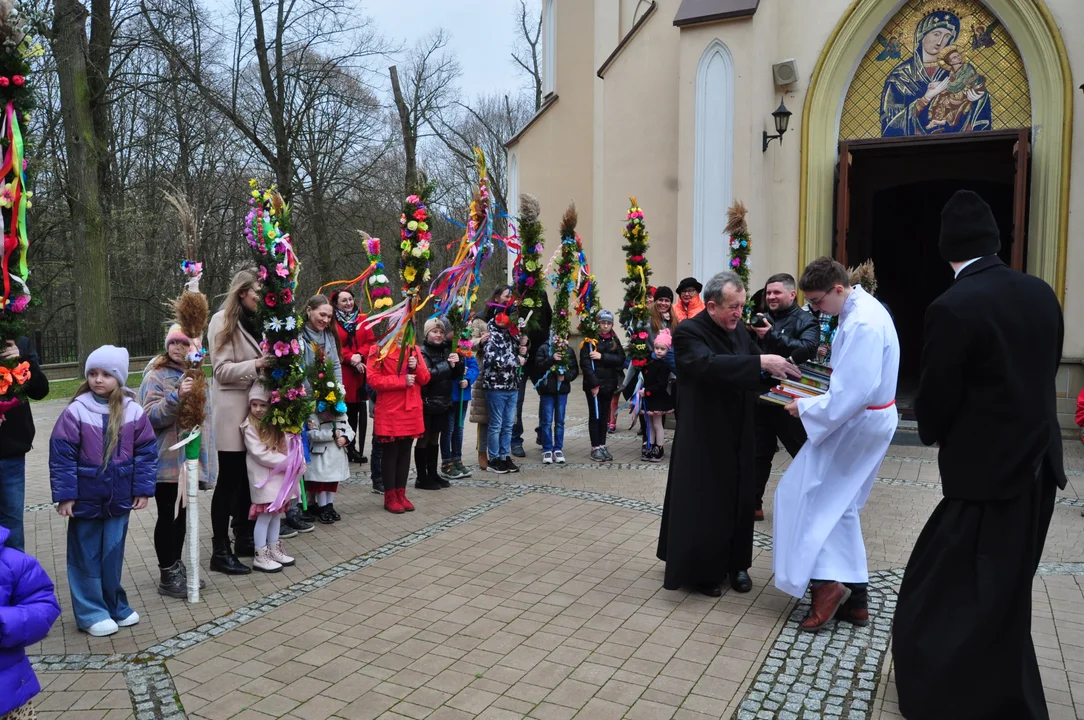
[234, 370]
[260, 461]
[478, 411]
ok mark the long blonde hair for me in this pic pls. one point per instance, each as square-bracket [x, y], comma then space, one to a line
[116, 417]
[232, 308]
[270, 435]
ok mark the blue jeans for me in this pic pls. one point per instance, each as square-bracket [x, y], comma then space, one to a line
[95, 563]
[451, 440]
[551, 416]
[12, 499]
[501, 405]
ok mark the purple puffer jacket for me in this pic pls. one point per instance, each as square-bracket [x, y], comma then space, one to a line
[28, 608]
[75, 459]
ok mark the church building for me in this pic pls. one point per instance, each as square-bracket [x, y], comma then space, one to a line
[843, 125]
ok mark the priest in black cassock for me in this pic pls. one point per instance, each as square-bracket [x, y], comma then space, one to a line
[707, 520]
[961, 639]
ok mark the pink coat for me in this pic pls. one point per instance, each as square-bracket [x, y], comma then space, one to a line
[261, 460]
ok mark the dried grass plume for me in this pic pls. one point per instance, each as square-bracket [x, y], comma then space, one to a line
[569, 220]
[735, 219]
[529, 209]
[864, 275]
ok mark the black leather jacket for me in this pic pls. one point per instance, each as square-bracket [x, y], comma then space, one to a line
[794, 334]
[437, 393]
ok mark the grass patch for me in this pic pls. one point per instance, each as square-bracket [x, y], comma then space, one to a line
[64, 389]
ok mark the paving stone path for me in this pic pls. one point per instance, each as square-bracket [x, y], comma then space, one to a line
[534, 595]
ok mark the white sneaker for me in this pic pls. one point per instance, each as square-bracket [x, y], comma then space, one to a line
[102, 628]
[129, 621]
[547, 458]
[559, 457]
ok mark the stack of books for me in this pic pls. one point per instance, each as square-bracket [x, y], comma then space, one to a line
[814, 381]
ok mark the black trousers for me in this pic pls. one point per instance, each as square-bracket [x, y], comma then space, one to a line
[232, 497]
[396, 463]
[168, 531]
[357, 414]
[961, 638]
[769, 423]
[598, 416]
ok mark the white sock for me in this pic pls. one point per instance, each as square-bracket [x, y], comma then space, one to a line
[330, 497]
[259, 533]
[273, 529]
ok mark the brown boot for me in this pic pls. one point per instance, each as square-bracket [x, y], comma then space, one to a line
[827, 599]
[853, 615]
[483, 459]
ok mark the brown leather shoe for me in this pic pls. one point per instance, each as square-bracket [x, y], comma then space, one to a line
[758, 515]
[483, 459]
[853, 615]
[827, 599]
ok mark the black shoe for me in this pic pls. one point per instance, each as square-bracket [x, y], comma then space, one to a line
[171, 583]
[519, 452]
[378, 487]
[426, 485]
[306, 516]
[709, 590]
[497, 465]
[286, 532]
[444, 483]
[324, 516]
[741, 582]
[511, 466]
[334, 515]
[294, 522]
[352, 455]
[224, 561]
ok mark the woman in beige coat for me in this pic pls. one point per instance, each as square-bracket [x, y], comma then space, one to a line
[233, 340]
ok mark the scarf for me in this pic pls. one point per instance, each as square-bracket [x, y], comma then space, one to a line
[348, 321]
[248, 322]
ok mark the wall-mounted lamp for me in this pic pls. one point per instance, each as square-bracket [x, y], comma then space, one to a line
[782, 120]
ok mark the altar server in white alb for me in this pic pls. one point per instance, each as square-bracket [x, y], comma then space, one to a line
[818, 535]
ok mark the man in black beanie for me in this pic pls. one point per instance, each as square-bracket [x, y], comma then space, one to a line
[962, 633]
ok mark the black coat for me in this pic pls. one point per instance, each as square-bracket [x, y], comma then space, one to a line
[546, 383]
[437, 393]
[987, 395]
[657, 386]
[606, 373]
[536, 338]
[707, 518]
[17, 430]
[794, 334]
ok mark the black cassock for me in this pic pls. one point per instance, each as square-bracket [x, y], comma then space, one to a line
[961, 638]
[707, 519]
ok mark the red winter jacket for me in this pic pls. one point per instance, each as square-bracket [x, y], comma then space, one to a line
[359, 343]
[1080, 410]
[398, 410]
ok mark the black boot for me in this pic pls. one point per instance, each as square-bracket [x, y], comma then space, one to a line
[244, 545]
[421, 464]
[352, 454]
[378, 486]
[171, 583]
[334, 515]
[294, 522]
[224, 561]
[184, 575]
[432, 460]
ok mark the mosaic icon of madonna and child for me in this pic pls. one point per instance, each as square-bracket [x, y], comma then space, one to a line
[938, 90]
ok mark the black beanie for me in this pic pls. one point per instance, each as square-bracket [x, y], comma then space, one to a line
[968, 228]
[664, 292]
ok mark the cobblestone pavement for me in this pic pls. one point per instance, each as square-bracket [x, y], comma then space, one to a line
[534, 595]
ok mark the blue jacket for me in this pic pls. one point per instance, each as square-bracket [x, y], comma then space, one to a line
[28, 608]
[75, 459]
[470, 374]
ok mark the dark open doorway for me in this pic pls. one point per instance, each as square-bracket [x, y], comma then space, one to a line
[889, 203]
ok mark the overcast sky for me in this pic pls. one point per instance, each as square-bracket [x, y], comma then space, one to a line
[482, 35]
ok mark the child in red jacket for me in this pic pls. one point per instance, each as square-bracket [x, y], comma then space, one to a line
[397, 417]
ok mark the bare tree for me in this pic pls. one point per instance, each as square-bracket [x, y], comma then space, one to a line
[426, 92]
[528, 57]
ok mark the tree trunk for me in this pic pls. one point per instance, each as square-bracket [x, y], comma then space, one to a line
[410, 140]
[90, 257]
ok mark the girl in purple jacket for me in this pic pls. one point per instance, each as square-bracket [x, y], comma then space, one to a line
[102, 465]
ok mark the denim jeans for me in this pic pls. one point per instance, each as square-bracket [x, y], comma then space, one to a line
[502, 416]
[376, 463]
[95, 563]
[551, 415]
[12, 495]
[451, 440]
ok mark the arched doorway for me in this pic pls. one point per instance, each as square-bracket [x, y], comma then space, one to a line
[1043, 55]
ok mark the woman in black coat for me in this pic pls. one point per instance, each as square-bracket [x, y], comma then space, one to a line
[602, 366]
